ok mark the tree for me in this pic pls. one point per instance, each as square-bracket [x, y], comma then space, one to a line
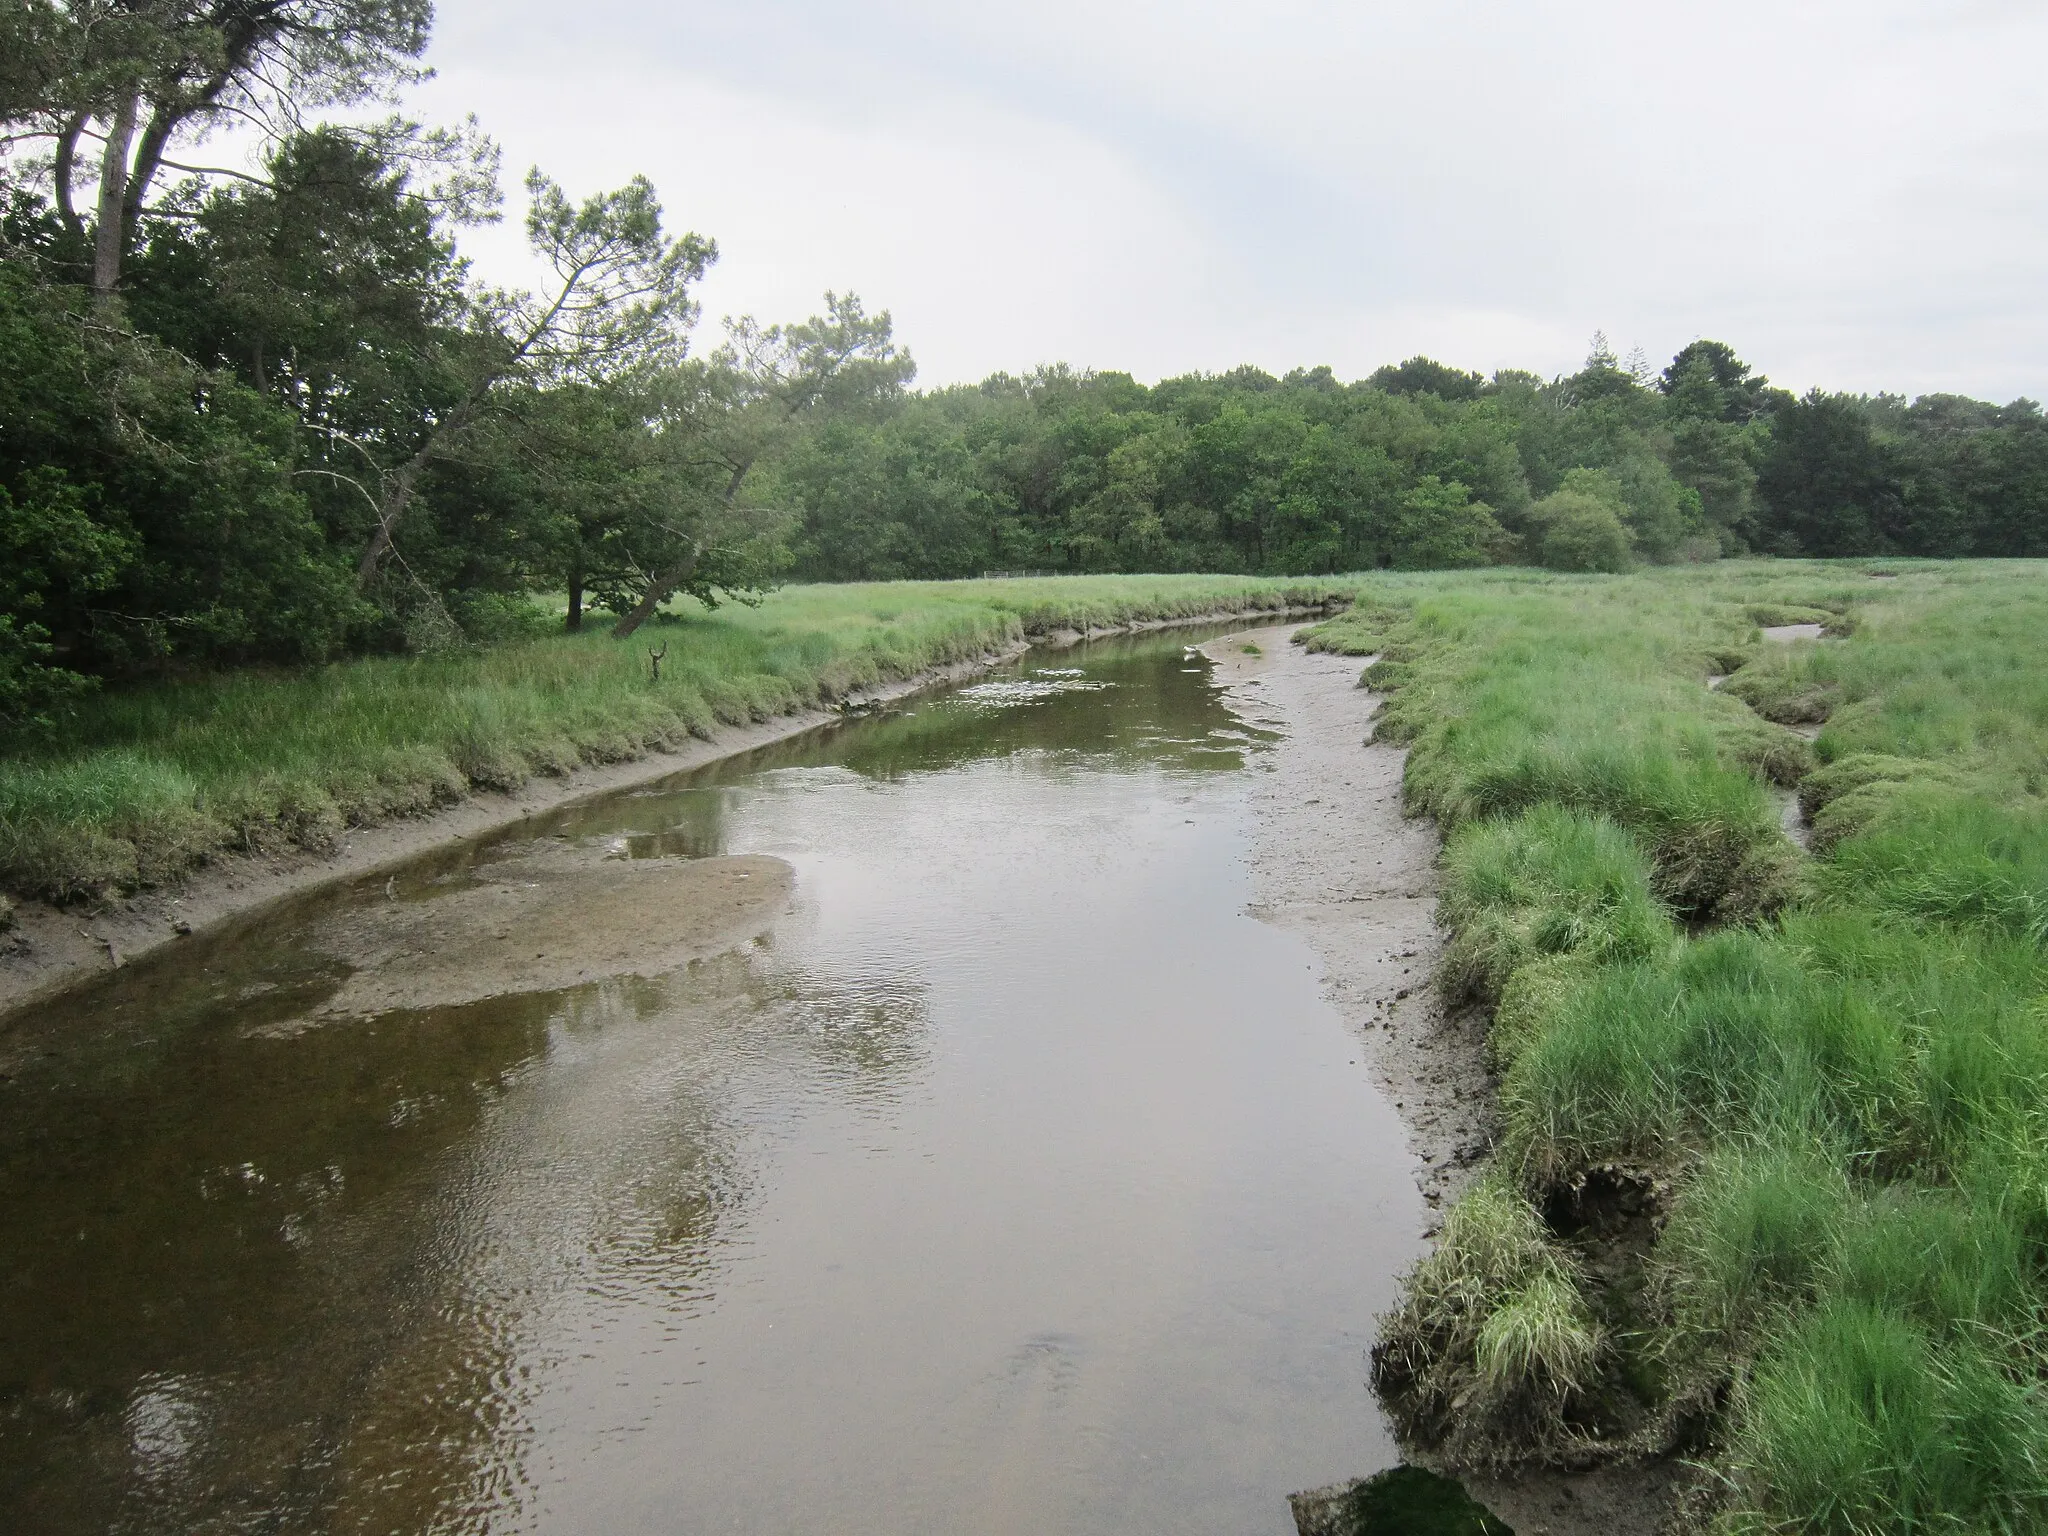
[1439, 526]
[1707, 380]
[889, 500]
[152, 508]
[1826, 483]
[140, 77]
[746, 402]
[618, 304]
[1426, 376]
[1579, 527]
[1714, 434]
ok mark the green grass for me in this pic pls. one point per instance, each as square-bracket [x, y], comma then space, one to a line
[1833, 1070]
[149, 782]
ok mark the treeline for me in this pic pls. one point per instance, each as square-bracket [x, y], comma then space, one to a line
[1418, 466]
[274, 417]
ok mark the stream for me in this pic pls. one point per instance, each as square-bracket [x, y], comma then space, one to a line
[1010, 1177]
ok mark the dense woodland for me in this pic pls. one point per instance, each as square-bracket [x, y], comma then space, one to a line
[275, 417]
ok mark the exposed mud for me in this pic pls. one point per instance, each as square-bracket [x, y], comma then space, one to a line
[1334, 860]
[548, 920]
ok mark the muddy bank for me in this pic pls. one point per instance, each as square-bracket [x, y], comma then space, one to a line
[1334, 860]
[547, 920]
[50, 948]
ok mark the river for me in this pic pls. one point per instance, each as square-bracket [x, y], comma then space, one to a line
[1011, 1178]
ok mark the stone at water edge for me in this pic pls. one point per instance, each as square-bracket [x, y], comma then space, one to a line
[1401, 1501]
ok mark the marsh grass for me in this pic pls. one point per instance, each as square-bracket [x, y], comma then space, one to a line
[1493, 1340]
[1836, 1069]
[148, 782]
[1548, 882]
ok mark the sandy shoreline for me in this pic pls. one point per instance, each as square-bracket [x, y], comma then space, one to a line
[50, 949]
[1334, 860]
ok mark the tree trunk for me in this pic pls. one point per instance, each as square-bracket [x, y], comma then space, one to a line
[110, 236]
[406, 481]
[149, 153]
[61, 172]
[657, 593]
[665, 583]
[574, 620]
[388, 515]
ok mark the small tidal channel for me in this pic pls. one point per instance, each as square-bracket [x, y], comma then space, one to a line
[1012, 1180]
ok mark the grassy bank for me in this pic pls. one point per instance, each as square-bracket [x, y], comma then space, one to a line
[1772, 1184]
[149, 782]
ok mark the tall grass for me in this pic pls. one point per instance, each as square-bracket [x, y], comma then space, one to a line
[149, 781]
[1837, 1072]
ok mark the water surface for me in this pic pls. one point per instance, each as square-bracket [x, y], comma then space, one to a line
[1016, 1180]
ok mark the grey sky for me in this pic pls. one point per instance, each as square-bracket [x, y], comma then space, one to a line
[1853, 194]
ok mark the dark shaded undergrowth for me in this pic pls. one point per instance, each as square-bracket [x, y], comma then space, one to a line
[1771, 1189]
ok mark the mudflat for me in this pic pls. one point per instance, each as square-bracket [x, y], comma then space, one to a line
[551, 919]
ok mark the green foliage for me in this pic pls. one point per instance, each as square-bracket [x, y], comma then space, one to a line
[1575, 531]
[1439, 526]
[1862, 1423]
[1848, 1103]
[144, 528]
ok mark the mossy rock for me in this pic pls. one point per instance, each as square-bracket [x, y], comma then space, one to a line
[1527, 1000]
[1861, 770]
[173, 841]
[65, 863]
[1720, 660]
[1402, 1501]
[1863, 809]
[1771, 877]
[1344, 642]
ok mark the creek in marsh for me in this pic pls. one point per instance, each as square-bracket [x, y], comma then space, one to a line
[1004, 1175]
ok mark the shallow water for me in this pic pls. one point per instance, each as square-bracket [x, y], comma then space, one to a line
[1016, 1180]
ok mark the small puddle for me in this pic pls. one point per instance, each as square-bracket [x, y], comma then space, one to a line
[1785, 634]
[1792, 819]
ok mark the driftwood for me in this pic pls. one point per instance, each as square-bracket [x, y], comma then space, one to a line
[654, 660]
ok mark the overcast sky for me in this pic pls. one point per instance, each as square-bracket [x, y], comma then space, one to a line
[1854, 193]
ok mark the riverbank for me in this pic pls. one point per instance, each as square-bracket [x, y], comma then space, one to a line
[1335, 861]
[866, 645]
[1767, 1181]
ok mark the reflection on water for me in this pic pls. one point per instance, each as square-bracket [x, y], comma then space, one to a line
[1015, 1180]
